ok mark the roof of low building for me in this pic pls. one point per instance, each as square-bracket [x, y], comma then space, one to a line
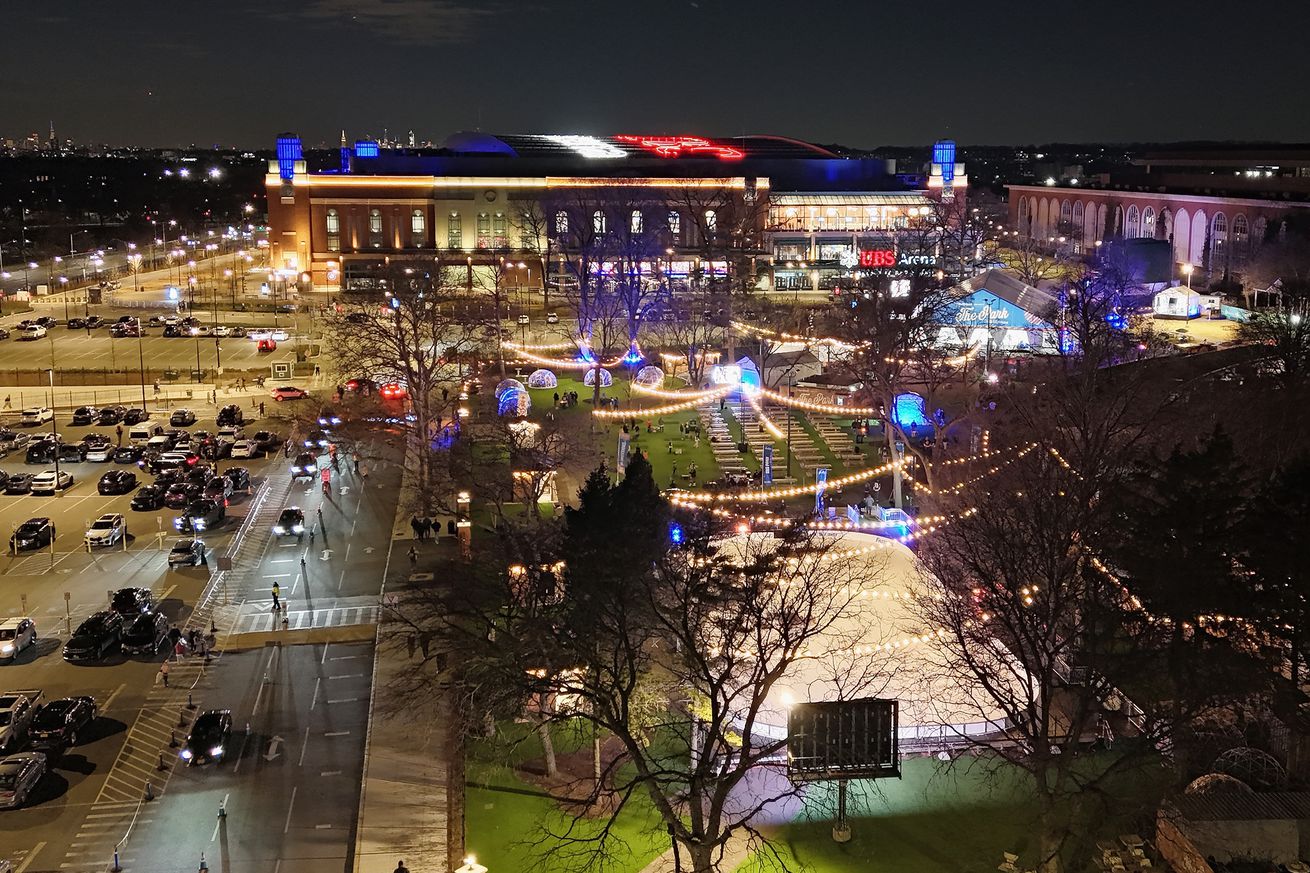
[1011, 289]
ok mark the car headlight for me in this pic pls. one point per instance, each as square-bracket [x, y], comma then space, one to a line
[198, 523]
[279, 529]
[311, 468]
[6, 648]
[178, 522]
[300, 528]
[295, 469]
[186, 754]
[217, 750]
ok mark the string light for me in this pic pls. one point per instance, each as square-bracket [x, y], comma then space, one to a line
[661, 410]
[681, 395]
[811, 406]
[770, 333]
[773, 429]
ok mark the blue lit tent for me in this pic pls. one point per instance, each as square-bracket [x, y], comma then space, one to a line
[507, 385]
[907, 410]
[514, 403]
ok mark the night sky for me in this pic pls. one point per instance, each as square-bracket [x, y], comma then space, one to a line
[861, 73]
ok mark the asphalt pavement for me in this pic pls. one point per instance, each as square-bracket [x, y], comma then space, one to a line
[298, 815]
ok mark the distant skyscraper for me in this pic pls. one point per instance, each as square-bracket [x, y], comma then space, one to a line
[411, 139]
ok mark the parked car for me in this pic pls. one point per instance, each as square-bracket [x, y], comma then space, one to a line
[552, 318]
[19, 776]
[179, 494]
[291, 522]
[219, 488]
[132, 602]
[106, 530]
[182, 418]
[136, 415]
[11, 440]
[17, 709]
[96, 321]
[100, 451]
[128, 454]
[230, 416]
[161, 443]
[245, 449]
[267, 440]
[111, 414]
[201, 330]
[41, 451]
[16, 634]
[4, 334]
[94, 638]
[289, 392]
[49, 482]
[32, 332]
[200, 515]
[117, 482]
[210, 736]
[124, 330]
[37, 415]
[146, 633]
[19, 483]
[84, 415]
[187, 552]
[58, 724]
[35, 533]
[168, 460]
[48, 321]
[75, 323]
[148, 498]
[305, 465]
[239, 477]
[72, 453]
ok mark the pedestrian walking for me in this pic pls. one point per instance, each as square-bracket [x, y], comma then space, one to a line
[400, 868]
[417, 527]
[1104, 733]
[118, 432]
[8, 405]
[261, 409]
[163, 673]
[180, 650]
[174, 635]
[193, 639]
[413, 556]
[354, 456]
[277, 591]
[286, 449]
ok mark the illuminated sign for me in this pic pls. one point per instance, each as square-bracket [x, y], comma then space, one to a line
[366, 148]
[871, 258]
[684, 146]
[890, 259]
[587, 146]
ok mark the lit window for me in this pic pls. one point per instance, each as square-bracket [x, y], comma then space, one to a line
[1079, 214]
[500, 231]
[454, 231]
[635, 222]
[333, 230]
[375, 228]
[1148, 223]
[675, 224]
[561, 223]
[418, 227]
[598, 221]
[1219, 241]
[1241, 240]
[711, 221]
[1132, 228]
[484, 231]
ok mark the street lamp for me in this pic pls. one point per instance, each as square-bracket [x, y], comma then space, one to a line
[1187, 271]
[63, 287]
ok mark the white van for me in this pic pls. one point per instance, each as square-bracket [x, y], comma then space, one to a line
[140, 434]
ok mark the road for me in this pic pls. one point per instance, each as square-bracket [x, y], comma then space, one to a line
[298, 806]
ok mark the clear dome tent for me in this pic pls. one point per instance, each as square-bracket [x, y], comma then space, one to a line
[542, 379]
[606, 380]
[650, 377]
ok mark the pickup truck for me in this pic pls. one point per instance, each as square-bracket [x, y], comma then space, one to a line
[17, 709]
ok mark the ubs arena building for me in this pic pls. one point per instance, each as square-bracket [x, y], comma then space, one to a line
[775, 212]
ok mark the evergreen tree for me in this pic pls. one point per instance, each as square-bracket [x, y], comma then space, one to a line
[1276, 558]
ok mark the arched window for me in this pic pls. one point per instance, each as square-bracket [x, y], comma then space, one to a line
[598, 223]
[1259, 228]
[418, 228]
[675, 224]
[500, 230]
[1148, 223]
[375, 228]
[1241, 240]
[483, 240]
[711, 221]
[1218, 241]
[333, 230]
[1025, 215]
[1132, 224]
[635, 222]
[1079, 215]
[454, 231]
[1066, 215]
[561, 223]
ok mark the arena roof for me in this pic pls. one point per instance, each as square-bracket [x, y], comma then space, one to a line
[670, 146]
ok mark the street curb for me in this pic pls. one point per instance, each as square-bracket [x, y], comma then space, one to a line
[354, 633]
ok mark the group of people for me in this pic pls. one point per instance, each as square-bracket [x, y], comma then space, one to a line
[569, 398]
[425, 527]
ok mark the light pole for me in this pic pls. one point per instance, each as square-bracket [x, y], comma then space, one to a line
[141, 359]
[54, 433]
[1187, 271]
[63, 287]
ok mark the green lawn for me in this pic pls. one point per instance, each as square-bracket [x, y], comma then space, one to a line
[936, 819]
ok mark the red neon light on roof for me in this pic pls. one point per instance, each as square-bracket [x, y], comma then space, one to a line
[676, 146]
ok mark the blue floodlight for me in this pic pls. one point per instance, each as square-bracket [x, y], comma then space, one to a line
[675, 533]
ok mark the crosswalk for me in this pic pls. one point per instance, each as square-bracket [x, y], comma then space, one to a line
[344, 612]
[107, 828]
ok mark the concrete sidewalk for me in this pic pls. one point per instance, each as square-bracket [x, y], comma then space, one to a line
[411, 797]
[171, 394]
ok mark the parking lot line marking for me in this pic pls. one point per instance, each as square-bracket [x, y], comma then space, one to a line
[109, 701]
[345, 700]
[337, 734]
[345, 657]
[348, 676]
[322, 827]
[330, 773]
[27, 860]
[323, 659]
[290, 807]
[318, 680]
[304, 744]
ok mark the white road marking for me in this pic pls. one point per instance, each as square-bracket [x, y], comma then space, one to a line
[318, 680]
[330, 773]
[27, 860]
[348, 676]
[290, 807]
[324, 658]
[304, 744]
[337, 734]
[345, 700]
[109, 701]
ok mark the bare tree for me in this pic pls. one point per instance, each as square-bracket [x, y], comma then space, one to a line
[415, 331]
[687, 326]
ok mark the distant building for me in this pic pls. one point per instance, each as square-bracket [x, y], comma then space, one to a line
[997, 312]
[1215, 205]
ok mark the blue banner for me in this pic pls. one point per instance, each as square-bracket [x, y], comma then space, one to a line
[820, 480]
[766, 466]
[624, 444]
